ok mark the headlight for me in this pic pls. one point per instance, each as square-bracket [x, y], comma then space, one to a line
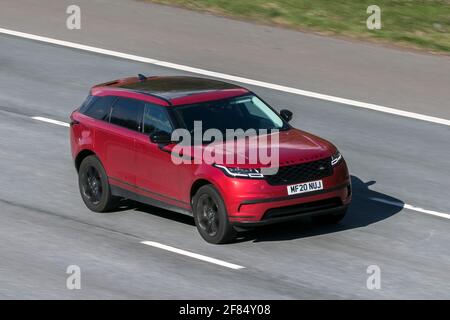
[336, 158]
[240, 172]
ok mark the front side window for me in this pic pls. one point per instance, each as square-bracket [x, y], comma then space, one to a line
[127, 113]
[156, 120]
[99, 108]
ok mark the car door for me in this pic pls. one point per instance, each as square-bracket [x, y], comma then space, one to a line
[116, 140]
[157, 174]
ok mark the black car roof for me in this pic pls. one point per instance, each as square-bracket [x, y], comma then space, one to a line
[172, 87]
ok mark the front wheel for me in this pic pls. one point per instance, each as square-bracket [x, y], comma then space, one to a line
[211, 216]
[94, 186]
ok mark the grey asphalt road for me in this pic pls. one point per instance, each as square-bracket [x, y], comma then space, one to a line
[45, 227]
[366, 72]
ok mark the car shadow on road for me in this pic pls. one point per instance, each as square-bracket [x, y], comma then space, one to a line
[155, 211]
[362, 212]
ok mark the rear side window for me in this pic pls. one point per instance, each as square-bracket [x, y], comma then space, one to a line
[87, 103]
[99, 108]
[127, 113]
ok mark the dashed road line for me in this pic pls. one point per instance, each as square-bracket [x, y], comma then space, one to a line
[48, 120]
[193, 255]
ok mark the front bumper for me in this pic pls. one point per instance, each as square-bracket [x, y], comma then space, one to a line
[255, 202]
[268, 211]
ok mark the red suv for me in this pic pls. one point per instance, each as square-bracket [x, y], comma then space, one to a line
[122, 140]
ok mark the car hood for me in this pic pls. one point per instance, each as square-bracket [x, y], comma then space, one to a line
[293, 145]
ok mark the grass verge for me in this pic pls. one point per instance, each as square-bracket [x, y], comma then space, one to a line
[421, 24]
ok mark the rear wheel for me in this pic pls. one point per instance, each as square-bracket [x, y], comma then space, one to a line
[333, 218]
[94, 186]
[211, 217]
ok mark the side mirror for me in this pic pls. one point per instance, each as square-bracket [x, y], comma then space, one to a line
[161, 138]
[286, 115]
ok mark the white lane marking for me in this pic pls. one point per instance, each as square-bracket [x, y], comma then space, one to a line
[48, 120]
[414, 208]
[193, 255]
[224, 76]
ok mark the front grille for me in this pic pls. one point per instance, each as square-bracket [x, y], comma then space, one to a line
[301, 172]
[297, 209]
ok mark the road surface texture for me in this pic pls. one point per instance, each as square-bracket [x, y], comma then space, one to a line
[393, 160]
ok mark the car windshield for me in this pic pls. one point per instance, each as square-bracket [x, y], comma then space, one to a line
[244, 112]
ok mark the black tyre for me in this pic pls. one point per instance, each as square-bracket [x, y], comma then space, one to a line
[94, 186]
[333, 218]
[211, 216]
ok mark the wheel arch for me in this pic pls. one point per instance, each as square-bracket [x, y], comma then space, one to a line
[81, 156]
[197, 185]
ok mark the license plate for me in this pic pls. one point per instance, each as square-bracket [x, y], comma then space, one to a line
[305, 187]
